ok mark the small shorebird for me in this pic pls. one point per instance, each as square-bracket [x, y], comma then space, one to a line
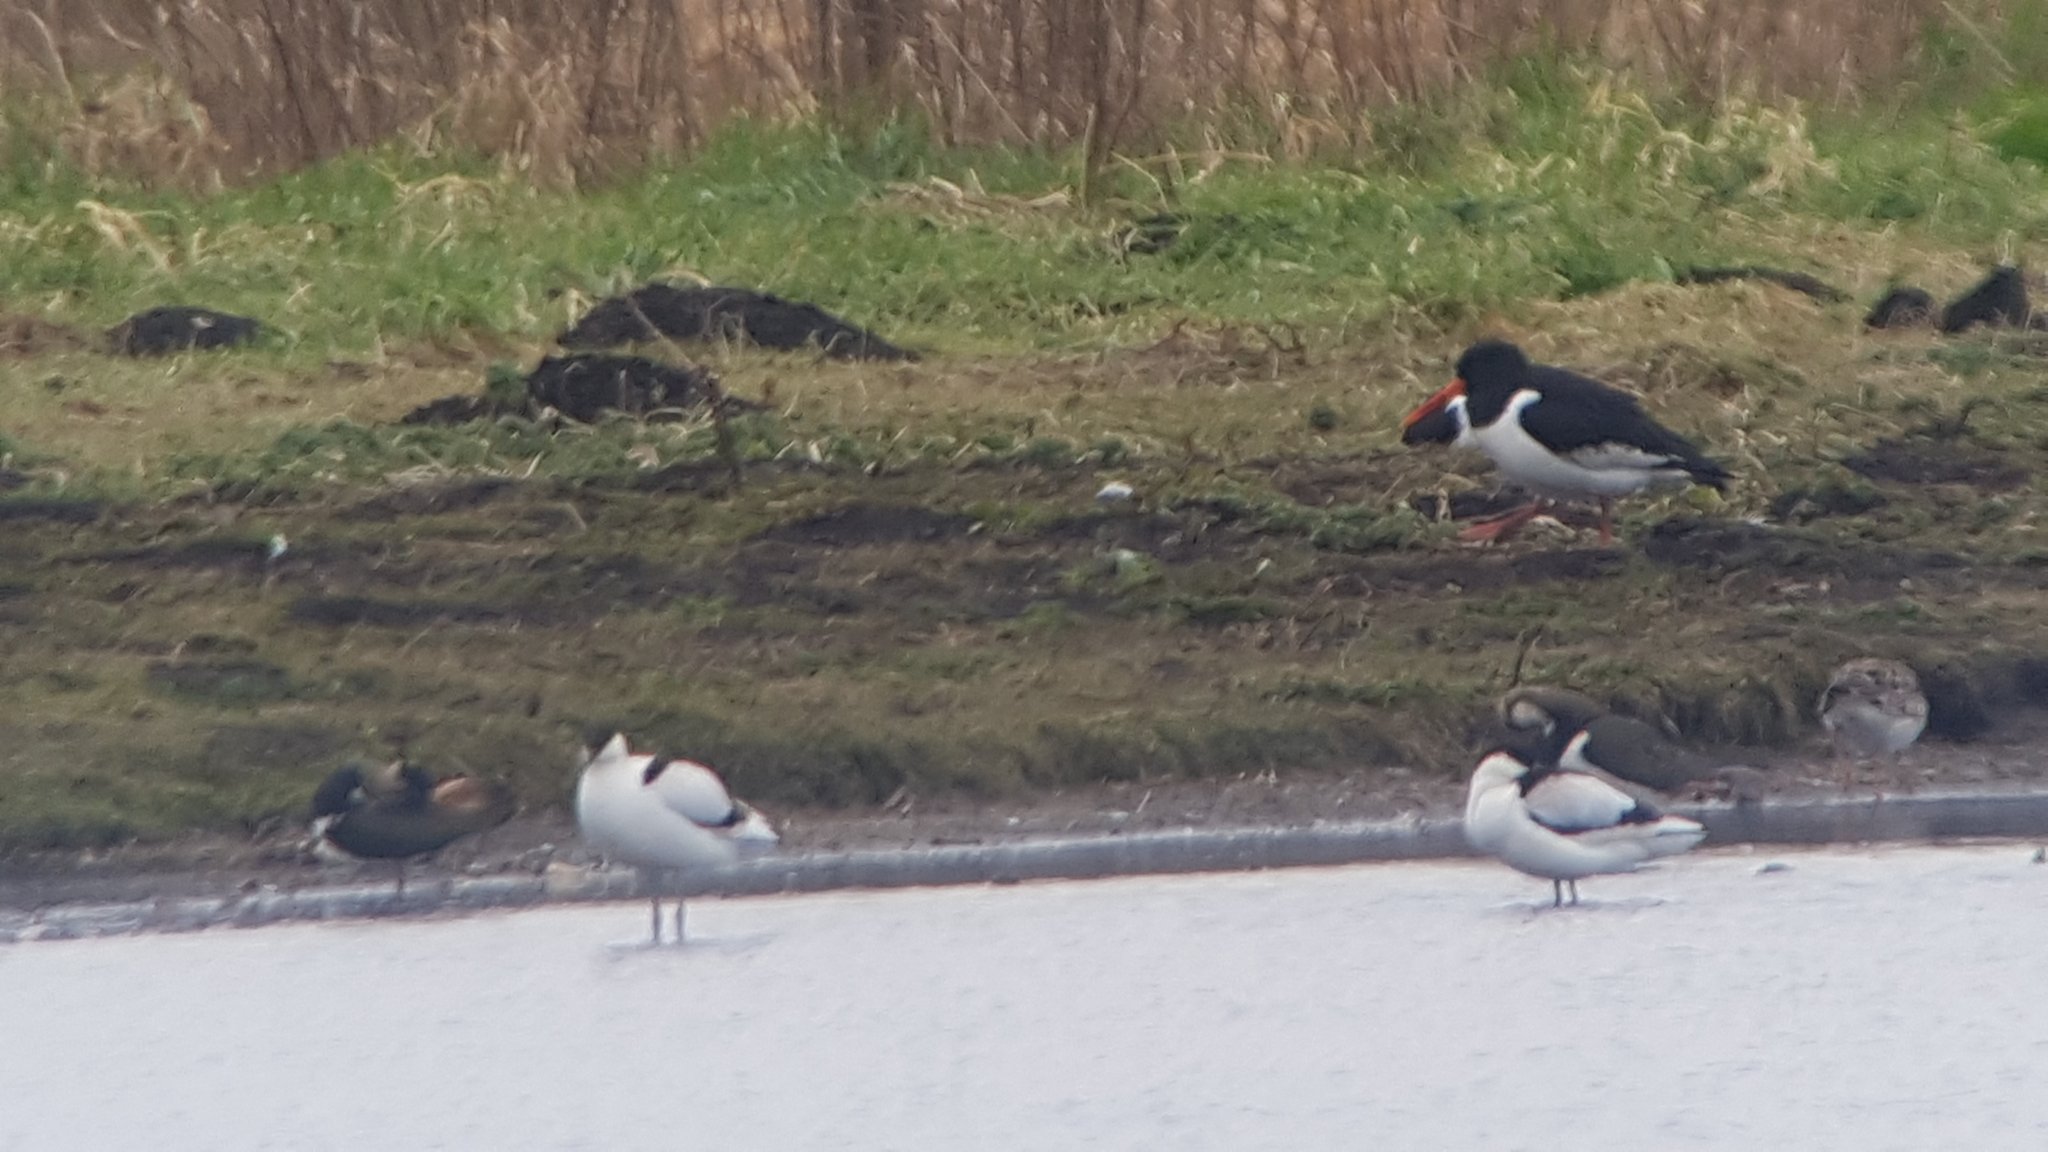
[1872, 707]
[660, 815]
[1561, 435]
[1562, 826]
[400, 811]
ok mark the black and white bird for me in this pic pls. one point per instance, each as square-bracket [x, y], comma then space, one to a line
[1563, 826]
[663, 815]
[1577, 733]
[1873, 707]
[1558, 434]
[400, 811]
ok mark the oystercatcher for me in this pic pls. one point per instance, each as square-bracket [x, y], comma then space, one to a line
[1561, 435]
[400, 811]
[1562, 826]
[660, 814]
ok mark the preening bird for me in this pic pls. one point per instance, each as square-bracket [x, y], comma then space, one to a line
[1563, 826]
[1873, 707]
[1576, 732]
[399, 811]
[661, 815]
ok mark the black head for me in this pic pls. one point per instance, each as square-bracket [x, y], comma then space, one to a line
[339, 792]
[1492, 367]
[1535, 748]
[1557, 713]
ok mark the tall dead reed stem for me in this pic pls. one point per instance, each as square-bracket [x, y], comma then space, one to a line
[570, 89]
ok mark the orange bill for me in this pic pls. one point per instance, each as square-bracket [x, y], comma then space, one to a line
[1435, 404]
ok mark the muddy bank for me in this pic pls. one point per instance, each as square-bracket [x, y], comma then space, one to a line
[838, 641]
[2014, 761]
[846, 618]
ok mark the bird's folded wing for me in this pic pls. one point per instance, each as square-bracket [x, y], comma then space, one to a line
[694, 792]
[1576, 802]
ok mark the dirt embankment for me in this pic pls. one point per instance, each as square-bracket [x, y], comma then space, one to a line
[867, 626]
[930, 657]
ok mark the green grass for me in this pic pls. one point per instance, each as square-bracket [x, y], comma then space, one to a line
[1541, 189]
[912, 586]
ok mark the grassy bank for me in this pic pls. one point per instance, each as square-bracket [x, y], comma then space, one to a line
[911, 586]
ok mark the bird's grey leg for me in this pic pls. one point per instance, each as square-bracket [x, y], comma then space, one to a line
[679, 919]
[1557, 893]
[401, 876]
[654, 903]
[1574, 885]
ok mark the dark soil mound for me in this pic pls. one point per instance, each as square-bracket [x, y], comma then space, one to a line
[1798, 282]
[871, 524]
[584, 387]
[1901, 308]
[2000, 299]
[740, 315]
[1722, 547]
[1910, 462]
[448, 410]
[378, 612]
[52, 510]
[164, 330]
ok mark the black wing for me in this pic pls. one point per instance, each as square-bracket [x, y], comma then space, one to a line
[1577, 413]
[1639, 754]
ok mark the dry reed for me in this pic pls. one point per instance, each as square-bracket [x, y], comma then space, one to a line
[189, 90]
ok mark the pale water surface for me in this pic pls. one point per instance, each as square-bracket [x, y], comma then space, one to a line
[1857, 1000]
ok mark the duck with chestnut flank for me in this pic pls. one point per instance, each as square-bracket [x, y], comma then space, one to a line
[1560, 435]
[399, 811]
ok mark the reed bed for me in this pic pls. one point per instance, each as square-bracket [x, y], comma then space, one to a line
[205, 91]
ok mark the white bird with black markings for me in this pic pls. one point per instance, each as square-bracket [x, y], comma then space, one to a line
[1558, 434]
[1563, 826]
[663, 815]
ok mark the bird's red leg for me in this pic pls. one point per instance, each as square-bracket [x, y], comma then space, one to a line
[1606, 520]
[1503, 526]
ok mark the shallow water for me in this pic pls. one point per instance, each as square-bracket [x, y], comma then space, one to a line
[1866, 1000]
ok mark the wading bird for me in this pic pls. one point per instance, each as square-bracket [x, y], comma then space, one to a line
[1579, 734]
[662, 815]
[1562, 826]
[1872, 707]
[1561, 435]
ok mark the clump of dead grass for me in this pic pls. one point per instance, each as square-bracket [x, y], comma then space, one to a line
[212, 89]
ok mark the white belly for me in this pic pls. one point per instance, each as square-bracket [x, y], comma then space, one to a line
[1869, 731]
[1608, 472]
